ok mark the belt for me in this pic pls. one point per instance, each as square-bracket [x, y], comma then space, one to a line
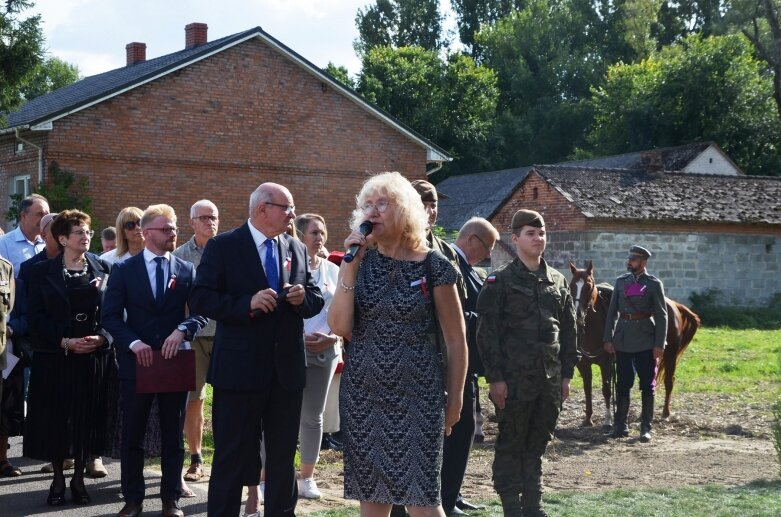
[636, 315]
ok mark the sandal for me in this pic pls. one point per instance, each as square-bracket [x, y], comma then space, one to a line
[9, 471]
[187, 492]
[194, 473]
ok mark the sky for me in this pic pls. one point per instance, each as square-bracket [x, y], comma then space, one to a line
[92, 34]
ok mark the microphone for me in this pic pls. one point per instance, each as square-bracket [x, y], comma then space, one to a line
[365, 228]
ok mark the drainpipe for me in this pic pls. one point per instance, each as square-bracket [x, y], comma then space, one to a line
[40, 155]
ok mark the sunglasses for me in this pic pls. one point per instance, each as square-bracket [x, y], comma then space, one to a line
[131, 225]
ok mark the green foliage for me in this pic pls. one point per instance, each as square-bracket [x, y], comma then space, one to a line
[48, 76]
[700, 89]
[399, 23]
[451, 101]
[341, 74]
[21, 51]
[716, 311]
[775, 428]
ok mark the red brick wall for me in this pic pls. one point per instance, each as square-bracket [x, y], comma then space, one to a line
[220, 127]
[535, 193]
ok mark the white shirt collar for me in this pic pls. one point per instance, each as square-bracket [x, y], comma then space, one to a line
[460, 252]
[149, 256]
[258, 236]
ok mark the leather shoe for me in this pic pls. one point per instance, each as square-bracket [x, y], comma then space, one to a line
[463, 504]
[56, 497]
[457, 511]
[171, 509]
[79, 493]
[131, 510]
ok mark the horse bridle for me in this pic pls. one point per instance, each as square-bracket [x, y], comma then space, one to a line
[580, 320]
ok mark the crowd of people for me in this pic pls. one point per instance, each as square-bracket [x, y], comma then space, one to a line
[268, 317]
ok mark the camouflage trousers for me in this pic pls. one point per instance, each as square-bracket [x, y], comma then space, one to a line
[526, 426]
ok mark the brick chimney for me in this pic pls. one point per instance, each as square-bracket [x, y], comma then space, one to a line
[136, 53]
[195, 34]
[652, 161]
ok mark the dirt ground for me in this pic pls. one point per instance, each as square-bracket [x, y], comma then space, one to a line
[707, 440]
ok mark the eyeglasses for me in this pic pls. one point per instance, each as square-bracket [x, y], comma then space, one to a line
[489, 249]
[288, 209]
[131, 225]
[381, 207]
[82, 233]
[207, 218]
[168, 230]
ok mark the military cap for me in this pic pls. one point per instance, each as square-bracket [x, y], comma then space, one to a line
[428, 193]
[527, 218]
[639, 251]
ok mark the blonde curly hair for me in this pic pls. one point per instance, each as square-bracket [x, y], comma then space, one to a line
[409, 213]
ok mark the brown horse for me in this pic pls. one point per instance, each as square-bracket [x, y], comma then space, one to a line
[591, 304]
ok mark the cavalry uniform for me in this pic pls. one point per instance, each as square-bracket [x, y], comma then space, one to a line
[636, 324]
[527, 338]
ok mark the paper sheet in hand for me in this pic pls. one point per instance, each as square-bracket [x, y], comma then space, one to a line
[11, 361]
[317, 323]
[167, 375]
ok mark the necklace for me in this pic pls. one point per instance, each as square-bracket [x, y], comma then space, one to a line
[68, 274]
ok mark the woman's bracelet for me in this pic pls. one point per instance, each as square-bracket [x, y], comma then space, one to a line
[345, 286]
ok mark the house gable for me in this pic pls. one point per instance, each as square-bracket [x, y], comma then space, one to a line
[713, 161]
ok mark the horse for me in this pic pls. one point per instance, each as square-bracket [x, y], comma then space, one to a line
[591, 305]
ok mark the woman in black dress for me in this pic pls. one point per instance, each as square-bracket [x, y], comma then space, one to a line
[68, 392]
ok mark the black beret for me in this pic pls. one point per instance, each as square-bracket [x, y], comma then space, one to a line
[527, 218]
[428, 193]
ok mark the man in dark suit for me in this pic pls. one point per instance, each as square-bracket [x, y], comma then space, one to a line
[254, 281]
[474, 244]
[153, 288]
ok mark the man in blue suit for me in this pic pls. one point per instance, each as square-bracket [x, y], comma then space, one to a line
[255, 282]
[152, 288]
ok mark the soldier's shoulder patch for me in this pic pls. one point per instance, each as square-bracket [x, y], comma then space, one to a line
[490, 279]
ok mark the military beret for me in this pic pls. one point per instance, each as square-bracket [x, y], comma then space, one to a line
[527, 218]
[639, 250]
[428, 193]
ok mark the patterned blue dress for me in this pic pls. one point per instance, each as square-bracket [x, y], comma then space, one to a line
[392, 395]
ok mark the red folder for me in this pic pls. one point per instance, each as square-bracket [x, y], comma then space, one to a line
[167, 375]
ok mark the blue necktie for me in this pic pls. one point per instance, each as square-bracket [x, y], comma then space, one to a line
[270, 265]
[159, 281]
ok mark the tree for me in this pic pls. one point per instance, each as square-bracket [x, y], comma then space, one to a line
[700, 89]
[451, 101]
[48, 76]
[680, 18]
[341, 74]
[21, 50]
[759, 22]
[472, 15]
[399, 23]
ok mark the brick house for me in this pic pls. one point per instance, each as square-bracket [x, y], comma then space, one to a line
[213, 120]
[707, 231]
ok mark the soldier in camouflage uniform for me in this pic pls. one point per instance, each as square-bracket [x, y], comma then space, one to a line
[638, 340]
[7, 291]
[526, 335]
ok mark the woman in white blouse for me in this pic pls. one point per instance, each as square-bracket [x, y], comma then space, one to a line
[323, 349]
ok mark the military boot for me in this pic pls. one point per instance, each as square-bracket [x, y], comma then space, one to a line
[646, 417]
[620, 427]
[531, 504]
[511, 505]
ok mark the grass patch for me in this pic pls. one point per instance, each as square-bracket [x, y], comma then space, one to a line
[755, 499]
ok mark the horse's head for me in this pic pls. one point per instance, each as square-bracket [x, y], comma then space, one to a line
[583, 289]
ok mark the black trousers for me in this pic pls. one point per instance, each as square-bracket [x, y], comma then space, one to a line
[455, 451]
[642, 363]
[239, 420]
[135, 413]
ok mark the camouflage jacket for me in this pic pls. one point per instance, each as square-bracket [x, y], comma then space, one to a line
[526, 324]
[7, 291]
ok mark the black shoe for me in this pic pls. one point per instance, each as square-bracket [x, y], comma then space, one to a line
[479, 438]
[463, 504]
[56, 497]
[79, 494]
[457, 511]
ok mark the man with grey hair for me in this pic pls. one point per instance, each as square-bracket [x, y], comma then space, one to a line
[255, 282]
[474, 243]
[205, 221]
[25, 240]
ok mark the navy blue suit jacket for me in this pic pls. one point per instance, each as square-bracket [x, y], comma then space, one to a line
[129, 290]
[249, 350]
